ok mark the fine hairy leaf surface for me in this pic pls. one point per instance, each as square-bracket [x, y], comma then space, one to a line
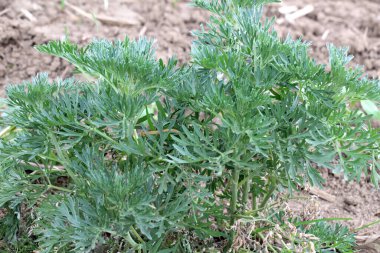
[147, 156]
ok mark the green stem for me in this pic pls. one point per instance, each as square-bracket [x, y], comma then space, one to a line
[254, 200]
[131, 241]
[234, 193]
[59, 188]
[272, 188]
[137, 235]
[366, 226]
[50, 186]
[270, 247]
[104, 135]
[63, 160]
[246, 187]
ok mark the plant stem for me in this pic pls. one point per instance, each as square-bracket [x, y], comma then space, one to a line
[137, 235]
[131, 241]
[246, 187]
[50, 186]
[158, 132]
[270, 247]
[366, 226]
[59, 188]
[234, 193]
[104, 135]
[64, 161]
[254, 200]
[272, 188]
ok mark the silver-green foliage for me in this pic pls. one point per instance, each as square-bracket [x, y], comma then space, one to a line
[151, 152]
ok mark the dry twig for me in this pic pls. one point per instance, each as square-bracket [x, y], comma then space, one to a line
[28, 15]
[4, 11]
[291, 17]
[323, 195]
[136, 20]
[41, 166]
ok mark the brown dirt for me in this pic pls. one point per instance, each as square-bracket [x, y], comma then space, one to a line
[351, 23]
[168, 22]
[358, 201]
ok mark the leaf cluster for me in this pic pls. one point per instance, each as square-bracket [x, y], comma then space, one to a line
[150, 156]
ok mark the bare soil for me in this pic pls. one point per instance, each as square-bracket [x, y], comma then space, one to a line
[168, 22]
[353, 23]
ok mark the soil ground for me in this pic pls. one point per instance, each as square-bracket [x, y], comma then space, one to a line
[353, 23]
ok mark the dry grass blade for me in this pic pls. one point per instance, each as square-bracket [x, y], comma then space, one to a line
[143, 31]
[28, 15]
[6, 131]
[4, 11]
[41, 166]
[134, 18]
[291, 17]
[323, 195]
[287, 9]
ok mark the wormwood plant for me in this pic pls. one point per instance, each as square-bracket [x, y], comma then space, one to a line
[155, 157]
